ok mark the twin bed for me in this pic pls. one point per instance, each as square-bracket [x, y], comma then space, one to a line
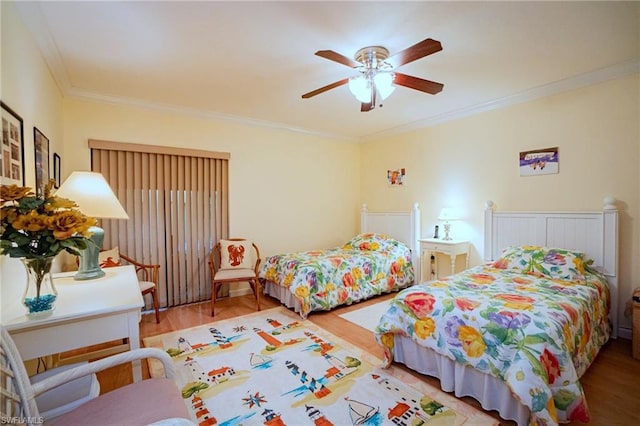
[515, 333]
[380, 259]
[518, 332]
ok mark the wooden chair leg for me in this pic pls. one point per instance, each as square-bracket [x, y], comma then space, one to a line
[213, 298]
[156, 304]
[256, 291]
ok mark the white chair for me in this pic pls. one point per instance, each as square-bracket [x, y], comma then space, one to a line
[152, 401]
[67, 397]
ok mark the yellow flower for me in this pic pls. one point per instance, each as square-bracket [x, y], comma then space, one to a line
[387, 340]
[67, 223]
[424, 327]
[357, 273]
[288, 279]
[31, 226]
[31, 222]
[8, 214]
[330, 287]
[302, 292]
[57, 203]
[270, 274]
[579, 264]
[14, 192]
[471, 340]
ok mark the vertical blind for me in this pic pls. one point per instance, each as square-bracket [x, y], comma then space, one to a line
[177, 202]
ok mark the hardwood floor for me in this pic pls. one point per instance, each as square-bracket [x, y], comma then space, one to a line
[612, 383]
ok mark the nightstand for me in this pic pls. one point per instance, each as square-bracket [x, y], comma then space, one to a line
[431, 247]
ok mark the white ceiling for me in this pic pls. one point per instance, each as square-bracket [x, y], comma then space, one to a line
[252, 61]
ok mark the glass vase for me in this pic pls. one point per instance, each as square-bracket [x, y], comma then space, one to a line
[40, 293]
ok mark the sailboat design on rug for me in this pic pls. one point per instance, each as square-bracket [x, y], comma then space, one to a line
[360, 412]
[259, 361]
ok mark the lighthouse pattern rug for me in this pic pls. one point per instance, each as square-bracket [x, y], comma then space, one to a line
[271, 368]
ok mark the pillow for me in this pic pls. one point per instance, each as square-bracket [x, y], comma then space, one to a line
[553, 263]
[371, 241]
[236, 255]
[108, 258]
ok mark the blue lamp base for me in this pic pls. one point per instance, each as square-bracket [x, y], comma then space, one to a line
[89, 268]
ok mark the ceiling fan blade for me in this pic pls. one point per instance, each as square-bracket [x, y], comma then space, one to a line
[416, 83]
[336, 57]
[417, 51]
[325, 88]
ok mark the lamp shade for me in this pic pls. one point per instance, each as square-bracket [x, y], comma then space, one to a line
[360, 87]
[383, 81]
[93, 195]
[449, 214]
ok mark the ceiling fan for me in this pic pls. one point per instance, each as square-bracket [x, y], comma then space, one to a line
[377, 73]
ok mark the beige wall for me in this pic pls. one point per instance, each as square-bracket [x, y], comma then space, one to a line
[292, 191]
[28, 88]
[288, 191]
[465, 162]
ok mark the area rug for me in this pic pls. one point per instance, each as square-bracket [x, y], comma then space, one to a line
[273, 368]
[368, 316]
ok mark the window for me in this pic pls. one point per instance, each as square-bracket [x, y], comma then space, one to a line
[177, 202]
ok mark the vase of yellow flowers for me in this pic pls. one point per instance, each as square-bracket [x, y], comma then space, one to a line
[36, 228]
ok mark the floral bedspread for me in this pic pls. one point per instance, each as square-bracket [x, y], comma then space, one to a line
[368, 265]
[537, 334]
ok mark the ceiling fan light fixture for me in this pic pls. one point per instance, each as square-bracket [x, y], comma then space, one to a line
[360, 87]
[384, 84]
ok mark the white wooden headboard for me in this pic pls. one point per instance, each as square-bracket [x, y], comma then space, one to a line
[403, 226]
[594, 233]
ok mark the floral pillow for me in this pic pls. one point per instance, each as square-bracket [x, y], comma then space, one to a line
[554, 263]
[371, 241]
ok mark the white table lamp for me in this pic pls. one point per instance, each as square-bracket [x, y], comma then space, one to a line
[95, 198]
[448, 214]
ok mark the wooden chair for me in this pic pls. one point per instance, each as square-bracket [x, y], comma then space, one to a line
[234, 260]
[148, 280]
[147, 274]
[156, 400]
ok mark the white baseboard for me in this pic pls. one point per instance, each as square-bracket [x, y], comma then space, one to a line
[240, 289]
[624, 333]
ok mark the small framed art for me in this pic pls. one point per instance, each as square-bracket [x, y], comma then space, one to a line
[41, 150]
[12, 148]
[56, 169]
[396, 177]
[539, 162]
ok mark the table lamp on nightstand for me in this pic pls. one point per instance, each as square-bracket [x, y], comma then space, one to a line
[448, 214]
[95, 198]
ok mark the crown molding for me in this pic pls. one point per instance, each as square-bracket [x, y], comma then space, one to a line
[572, 83]
[75, 93]
[34, 21]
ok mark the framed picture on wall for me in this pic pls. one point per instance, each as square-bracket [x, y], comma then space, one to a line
[539, 162]
[397, 177]
[41, 154]
[12, 148]
[56, 170]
